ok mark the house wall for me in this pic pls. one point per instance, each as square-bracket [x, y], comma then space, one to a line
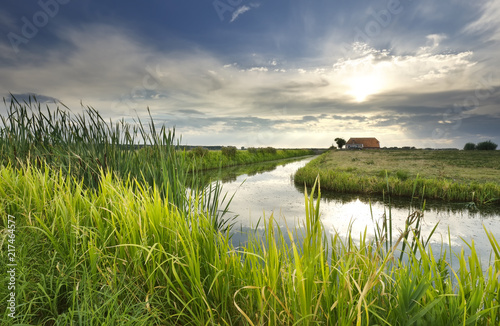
[363, 143]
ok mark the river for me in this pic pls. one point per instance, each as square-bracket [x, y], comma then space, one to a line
[264, 189]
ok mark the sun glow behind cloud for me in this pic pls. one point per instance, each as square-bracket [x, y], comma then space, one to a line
[267, 101]
[363, 86]
[371, 72]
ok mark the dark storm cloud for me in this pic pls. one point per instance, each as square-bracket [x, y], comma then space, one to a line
[190, 111]
[295, 85]
[350, 117]
[309, 118]
[480, 127]
[34, 97]
[242, 124]
[295, 105]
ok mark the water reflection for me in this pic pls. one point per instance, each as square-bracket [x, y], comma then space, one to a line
[462, 209]
[269, 189]
[230, 174]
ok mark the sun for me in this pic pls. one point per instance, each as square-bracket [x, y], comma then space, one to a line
[360, 87]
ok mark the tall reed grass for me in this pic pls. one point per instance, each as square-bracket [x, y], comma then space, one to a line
[122, 254]
[108, 233]
[85, 145]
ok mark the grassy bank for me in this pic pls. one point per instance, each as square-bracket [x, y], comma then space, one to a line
[122, 255]
[449, 175]
[103, 232]
[216, 159]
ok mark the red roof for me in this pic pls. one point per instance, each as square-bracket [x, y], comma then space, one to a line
[371, 142]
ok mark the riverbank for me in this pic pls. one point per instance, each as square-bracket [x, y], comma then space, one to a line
[450, 175]
[94, 231]
[124, 255]
[206, 160]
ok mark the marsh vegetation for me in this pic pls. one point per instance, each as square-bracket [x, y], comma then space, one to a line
[106, 237]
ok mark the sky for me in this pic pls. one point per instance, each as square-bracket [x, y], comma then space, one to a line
[256, 73]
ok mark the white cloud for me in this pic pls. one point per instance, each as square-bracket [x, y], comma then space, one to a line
[488, 22]
[433, 41]
[106, 65]
[241, 10]
[260, 69]
[378, 71]
[110, 70]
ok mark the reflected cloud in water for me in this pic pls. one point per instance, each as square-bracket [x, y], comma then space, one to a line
[270, 190]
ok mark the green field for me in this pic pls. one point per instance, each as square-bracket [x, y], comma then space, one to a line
[444, 174]
[94, 231]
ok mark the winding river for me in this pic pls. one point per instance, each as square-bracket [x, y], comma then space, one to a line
[264, 189]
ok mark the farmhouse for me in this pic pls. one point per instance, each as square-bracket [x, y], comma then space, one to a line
[362, 143]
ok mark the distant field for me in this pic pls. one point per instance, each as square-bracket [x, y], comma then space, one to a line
[451, 175]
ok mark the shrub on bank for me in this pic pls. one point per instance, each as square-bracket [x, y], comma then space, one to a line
[483, 146]
[229, 151]
[487, 146]
[262, 150]
[268, 150]
[469, 147]
[200, 151]
[217, 159]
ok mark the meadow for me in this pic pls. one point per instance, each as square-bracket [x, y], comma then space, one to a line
[100, 241]
[468, 176]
